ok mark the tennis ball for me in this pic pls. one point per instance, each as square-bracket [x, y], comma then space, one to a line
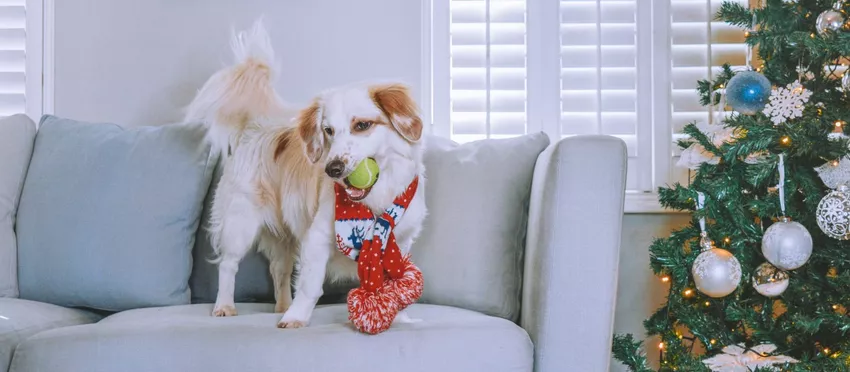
[364, 175]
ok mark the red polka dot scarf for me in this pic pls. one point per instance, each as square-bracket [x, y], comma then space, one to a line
[370, 241]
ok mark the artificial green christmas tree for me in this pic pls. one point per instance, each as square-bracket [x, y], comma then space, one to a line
[760, 280]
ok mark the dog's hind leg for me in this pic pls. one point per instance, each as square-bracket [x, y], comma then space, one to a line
[281, 254]
[234, 233]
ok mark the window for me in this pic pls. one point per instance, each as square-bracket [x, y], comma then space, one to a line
[21, 58]
[626, 68]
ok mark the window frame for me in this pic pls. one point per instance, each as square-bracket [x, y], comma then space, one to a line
[38, 49]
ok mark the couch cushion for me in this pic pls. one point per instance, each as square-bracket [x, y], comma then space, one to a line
[17, 133]
[471, 247]
[186, 338]
[108, 215]
[20, 319]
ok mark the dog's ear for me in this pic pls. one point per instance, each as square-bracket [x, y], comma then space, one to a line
[309, 129]
[398, 105]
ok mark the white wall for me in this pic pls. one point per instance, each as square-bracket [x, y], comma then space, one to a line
[139, 62]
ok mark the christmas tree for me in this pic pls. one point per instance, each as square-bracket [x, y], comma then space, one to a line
[760, 280]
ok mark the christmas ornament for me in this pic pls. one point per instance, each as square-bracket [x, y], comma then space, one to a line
[693, 156]
[389, 282]
[716, 271]
[769, 281]
[803, 74]
[833, 213]
[364, 175]
[786, 244]
[835, 174]
[738, 358]
[748, 92]
[787, 103]
[829, 21]
[845, 83]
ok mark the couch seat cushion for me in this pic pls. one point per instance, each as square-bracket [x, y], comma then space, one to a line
[20, 319]
[186, 338]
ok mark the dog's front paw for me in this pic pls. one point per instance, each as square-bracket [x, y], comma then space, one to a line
[292, 320]
[224, 310]
[291, 324]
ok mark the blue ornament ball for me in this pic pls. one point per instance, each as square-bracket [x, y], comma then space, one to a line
[748, 92]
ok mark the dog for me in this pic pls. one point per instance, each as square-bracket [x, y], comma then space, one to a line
[281, 165]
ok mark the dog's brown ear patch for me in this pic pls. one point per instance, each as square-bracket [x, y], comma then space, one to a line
[398, 105]
[309, 121]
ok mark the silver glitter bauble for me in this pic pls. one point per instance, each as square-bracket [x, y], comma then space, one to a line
[833, 214]
[787, 244]
[845, 82]
[769, 280]
[829, 20]
[716, 271]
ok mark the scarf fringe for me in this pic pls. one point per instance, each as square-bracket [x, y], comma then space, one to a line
[373, 312]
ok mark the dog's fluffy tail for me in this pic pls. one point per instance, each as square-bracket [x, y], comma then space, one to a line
[240, 95]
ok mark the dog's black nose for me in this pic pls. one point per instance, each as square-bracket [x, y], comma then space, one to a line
[334, 168]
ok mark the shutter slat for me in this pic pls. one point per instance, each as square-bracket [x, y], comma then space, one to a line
[599, 80]
[13, 62]
[480, 50]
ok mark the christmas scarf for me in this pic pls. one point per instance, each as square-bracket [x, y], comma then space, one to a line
[389, 282]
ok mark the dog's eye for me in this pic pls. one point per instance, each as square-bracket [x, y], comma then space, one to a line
[329, 131]
[362, 125]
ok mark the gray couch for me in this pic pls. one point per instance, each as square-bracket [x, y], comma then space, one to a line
[540, 298]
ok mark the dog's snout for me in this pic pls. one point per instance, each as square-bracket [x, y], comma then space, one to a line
[334, 168]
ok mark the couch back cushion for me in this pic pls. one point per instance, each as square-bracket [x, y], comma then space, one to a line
[17, 133]
[108, 215]
[470, 249]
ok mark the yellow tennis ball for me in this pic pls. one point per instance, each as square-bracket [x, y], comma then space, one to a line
[365, 175]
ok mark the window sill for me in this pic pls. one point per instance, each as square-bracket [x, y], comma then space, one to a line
[644, 202]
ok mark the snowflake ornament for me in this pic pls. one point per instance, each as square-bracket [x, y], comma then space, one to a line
[787, 103]
[735, 358]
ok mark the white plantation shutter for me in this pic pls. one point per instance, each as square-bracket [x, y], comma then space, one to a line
[487, 69]
[605, 45]
[626, 68]
[20, 58]
[699, 46]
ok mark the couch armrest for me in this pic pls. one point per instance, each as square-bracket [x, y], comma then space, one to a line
[572, 253]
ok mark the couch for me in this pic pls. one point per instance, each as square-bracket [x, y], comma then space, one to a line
[519, 253]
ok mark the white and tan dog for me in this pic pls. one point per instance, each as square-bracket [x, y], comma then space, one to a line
[281, 165]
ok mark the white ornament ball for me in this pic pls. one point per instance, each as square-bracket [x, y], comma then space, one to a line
[769, 281]
[787, 244]
[716, 272]
[828, 21]
[833, 214]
